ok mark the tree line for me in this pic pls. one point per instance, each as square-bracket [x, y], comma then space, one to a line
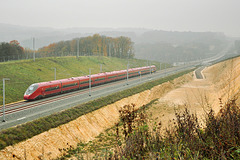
[11, 48]
[96, 45]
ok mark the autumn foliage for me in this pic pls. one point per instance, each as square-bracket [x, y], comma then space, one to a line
[11, 48]
[95, 45]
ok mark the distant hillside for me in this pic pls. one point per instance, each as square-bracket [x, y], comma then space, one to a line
[149, 44]
[46, 36]
[158, 36]
[179, 46]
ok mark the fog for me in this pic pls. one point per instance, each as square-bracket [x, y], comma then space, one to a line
[169, 15]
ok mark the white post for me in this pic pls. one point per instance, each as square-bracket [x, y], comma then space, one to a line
[77, 48]
[89, 81]
[55, 76]
[33, 49]
[165, 69]
[109, 50]
[4, 98]
[127, 73]
[127, 68]
[150, 69]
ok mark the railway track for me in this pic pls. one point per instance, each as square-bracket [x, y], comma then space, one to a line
[23, 105]
[20, 106]
[23, 111]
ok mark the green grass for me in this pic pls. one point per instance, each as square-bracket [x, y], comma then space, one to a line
[26, 72]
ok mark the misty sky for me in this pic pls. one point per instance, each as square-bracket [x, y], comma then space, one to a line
[169, 15]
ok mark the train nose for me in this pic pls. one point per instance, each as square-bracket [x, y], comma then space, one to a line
[26, 97]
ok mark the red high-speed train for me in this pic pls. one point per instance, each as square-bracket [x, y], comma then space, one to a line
[45, 89]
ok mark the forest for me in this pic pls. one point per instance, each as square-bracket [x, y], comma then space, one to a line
[96, 45]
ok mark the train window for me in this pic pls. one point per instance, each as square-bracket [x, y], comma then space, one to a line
[99, 79]
[84, 82]
[51, 89]
[112, 77]
[31, 89]
[69, 85]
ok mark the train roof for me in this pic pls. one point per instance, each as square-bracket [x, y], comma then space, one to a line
[69, 79]
[83, 78]
[99, 74]
[55, 82]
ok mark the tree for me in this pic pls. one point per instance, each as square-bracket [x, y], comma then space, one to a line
[11, 49]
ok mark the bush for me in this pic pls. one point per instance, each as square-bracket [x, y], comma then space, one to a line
[219, 139]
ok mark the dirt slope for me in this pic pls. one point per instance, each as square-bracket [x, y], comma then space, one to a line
[221, 80]
[50, 144]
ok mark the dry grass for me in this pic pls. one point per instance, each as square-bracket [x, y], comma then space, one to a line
[132, 138]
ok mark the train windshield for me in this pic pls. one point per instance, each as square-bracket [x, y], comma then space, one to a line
[31, 89]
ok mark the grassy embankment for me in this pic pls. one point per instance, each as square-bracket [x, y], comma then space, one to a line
[26, 72]
[70, 68]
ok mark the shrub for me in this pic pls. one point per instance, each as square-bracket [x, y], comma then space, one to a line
[219, 139]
